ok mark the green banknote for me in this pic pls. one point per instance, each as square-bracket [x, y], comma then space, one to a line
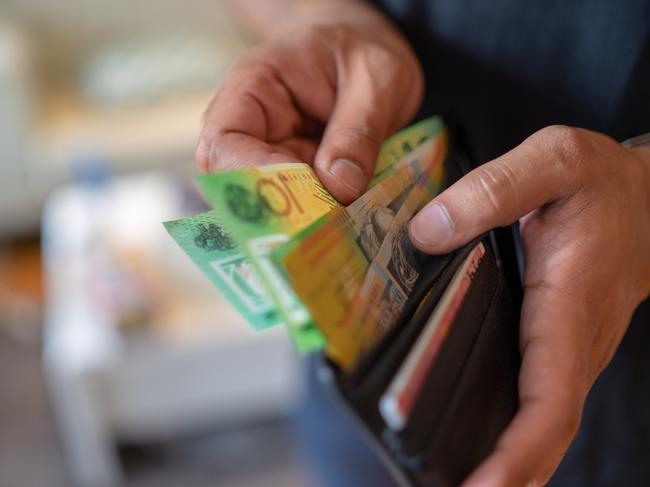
[402, 143]
[263, 207]
[215, 252]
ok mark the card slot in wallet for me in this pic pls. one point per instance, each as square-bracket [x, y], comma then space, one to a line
[448, 366]
[368, 381]
[439, 448]
[483, 401]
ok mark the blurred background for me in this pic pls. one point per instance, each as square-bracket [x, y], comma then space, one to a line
[119, 364]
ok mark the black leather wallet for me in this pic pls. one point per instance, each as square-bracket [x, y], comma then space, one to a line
[469, 393]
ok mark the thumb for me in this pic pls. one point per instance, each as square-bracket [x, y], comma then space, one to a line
[360, 121]
[497, 193]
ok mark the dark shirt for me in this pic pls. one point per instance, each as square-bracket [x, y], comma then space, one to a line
[506, 68]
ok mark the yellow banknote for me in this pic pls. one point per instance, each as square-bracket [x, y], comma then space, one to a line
[328, 267]
[388, 282]
[262, 207]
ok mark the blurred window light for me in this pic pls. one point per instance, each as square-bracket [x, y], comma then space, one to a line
[150, 69]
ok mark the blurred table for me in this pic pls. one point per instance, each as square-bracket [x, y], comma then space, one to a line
[187, 362]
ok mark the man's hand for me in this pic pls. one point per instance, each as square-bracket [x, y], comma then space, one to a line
[327, 94]
[584, 204]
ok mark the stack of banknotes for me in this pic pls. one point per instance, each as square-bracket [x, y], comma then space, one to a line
[284, 251]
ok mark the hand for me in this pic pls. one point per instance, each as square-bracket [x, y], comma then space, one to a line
[584, 204]
[323, 95]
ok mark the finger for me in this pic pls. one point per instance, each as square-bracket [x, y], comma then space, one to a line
[234, 150]
[537, 172]
[263, 115]
[552, 388]
[236, 129]
[367, 110]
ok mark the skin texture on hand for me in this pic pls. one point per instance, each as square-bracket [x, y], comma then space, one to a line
[326, 94]
[584, 205]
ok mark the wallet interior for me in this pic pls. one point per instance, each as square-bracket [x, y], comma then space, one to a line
[469, 393]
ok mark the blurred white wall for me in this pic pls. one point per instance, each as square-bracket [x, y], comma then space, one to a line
[60, 96]
[79, 25]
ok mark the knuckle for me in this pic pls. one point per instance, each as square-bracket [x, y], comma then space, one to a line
[356, 137]
[213, 154]
[495, 185]
[570, 146]
[255, 81]
[566, 140]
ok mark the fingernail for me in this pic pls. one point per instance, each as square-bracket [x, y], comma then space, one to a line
[349, 174]
[432, 226]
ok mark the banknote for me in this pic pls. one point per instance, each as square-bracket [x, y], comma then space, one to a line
[215, 252]
[262, 207]
[258, 209]
[392, 151]
[389, 280]
[327, 268]
[402, 143]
